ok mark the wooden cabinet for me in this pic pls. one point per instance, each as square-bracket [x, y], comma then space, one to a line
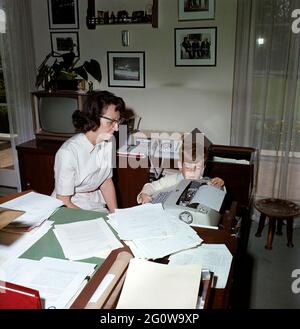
[138, 16]
[36, 163]
[237, 167]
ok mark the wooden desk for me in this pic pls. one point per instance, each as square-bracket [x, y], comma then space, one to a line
[48, 246]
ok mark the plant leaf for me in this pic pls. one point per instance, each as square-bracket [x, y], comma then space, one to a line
[81, 71]
[93, 68]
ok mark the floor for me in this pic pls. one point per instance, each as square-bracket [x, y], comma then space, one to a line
[267, 274]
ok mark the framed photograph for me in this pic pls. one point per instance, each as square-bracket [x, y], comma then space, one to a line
[126, 69]
[63, 14]
[190, 10]
[196, 46]
[64, 42]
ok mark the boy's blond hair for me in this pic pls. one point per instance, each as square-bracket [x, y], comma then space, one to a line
[192, 152]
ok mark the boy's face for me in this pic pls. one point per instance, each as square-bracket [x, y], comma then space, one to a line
[192, 170]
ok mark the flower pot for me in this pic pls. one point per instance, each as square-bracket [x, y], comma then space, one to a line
[66, 84]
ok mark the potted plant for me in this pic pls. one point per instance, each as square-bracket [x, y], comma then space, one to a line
[63, 72]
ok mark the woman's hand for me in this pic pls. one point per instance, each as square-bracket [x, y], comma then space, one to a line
[217, 181]
[145, 198]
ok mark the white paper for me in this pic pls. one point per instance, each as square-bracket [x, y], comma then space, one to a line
[147, 220]
[154, 248]
[215, 257]
[134, 150]
[152, 233]
[85, 239]
[37, 207]
[57, 280]
[150, 285]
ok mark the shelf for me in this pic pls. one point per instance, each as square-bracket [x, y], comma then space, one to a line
[92, 21]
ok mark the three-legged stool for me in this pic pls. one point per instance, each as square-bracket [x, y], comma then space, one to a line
[276, 210]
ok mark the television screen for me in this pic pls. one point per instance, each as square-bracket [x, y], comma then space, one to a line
[55, 114]
[52, 113]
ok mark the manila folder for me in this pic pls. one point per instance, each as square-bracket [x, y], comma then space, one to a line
[8, 215]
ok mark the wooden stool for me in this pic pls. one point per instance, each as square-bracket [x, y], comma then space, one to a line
[277, 210]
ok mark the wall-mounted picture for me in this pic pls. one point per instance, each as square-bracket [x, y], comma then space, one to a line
[63, 14]
[64, 42]
[189, 10]
[196, 46]
[126, 69]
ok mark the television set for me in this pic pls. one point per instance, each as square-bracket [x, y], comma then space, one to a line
[52, 113]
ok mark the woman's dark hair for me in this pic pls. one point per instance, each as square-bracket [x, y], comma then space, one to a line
[94, 107]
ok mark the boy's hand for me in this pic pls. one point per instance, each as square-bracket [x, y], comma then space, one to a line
[145, 198]
[217, 181]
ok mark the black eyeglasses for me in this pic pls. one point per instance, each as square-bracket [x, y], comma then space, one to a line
[113, 121]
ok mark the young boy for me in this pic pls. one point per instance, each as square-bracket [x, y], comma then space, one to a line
[191, 166]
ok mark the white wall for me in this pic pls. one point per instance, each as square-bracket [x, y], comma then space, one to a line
[175, 98]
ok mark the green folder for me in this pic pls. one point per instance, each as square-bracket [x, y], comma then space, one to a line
[48, 245]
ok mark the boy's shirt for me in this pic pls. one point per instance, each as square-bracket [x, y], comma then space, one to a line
[161, 184]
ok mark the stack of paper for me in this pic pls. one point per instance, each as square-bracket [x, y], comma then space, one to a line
[140, 150]
[162, 286]
[57, 280]
[85, 239]
[37, 207]
[153, 233]
[215, 257]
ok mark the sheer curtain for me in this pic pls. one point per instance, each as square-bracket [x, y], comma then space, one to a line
[17, 52]
[266, 100]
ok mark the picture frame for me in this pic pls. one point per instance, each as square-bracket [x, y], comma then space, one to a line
[126, 69]
[190, 10]
[63, 14]
[196, 46]
[64, 42]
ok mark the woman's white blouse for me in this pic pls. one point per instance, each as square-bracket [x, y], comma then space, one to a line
[80, 168]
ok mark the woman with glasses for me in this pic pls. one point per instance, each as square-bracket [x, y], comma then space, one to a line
[83, 164]
[191, 166]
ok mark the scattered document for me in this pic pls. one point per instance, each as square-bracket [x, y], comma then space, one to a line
[152, 233]
[37, 207]
[144, 221]
[85, 239]
[215, 257]
[153, 248]
[140, 150]
[150, 285]
[57, 280]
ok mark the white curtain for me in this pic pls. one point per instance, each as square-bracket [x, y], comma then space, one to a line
[266, 101]
[17, 52]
